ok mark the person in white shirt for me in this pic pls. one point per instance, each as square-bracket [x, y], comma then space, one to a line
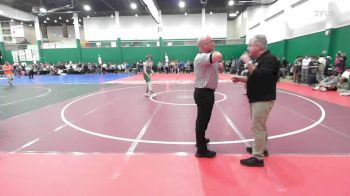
[305, 69]
[207, 65]
[321, 68]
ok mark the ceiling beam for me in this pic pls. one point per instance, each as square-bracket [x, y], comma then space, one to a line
[108, 5]
[15, 14]
[152, 9]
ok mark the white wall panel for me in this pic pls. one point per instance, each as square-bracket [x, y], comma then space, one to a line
[138, 28]
[339, 13]
[300, 17]
[100, 28]
[181, 26]
[307, 18]
[216, 25]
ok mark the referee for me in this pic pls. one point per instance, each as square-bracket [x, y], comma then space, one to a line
[207, 64]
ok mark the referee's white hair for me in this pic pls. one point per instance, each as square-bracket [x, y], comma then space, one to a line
[260, 39]
[200, 41]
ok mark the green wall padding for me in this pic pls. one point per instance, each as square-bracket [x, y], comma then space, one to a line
[340, 41]
[133, 54]
[60, 55]
[311, 45]
[184, 53]
[7, 56]
[107, 55]
[231, 51]
[181, 53]
[278, 48]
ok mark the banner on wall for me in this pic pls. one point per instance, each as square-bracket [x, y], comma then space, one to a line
[35, 54]
[25, 55]
[22, 58]
[43, 31]
[15, 59]
[22, 55]
[14, 56]
[17, 31]
[64, 30]
[29, 55]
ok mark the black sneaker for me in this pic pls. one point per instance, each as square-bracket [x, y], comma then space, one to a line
[207, 140]
[250, 151]
[252, 162]
[206, 154]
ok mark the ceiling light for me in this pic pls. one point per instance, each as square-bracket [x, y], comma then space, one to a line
[43, 10]
[30, 25]
[12, 20]
[136, 15]
[231, 3]
[211, 13]
[44, 21]
[55, 21]
[47, 18]
[133, 6]
[112, 16]
[67, 20]
[182, 4]
[185, 13]
[232, 15]
[237, 12]
[87, 8]
[88, 16]
[59, 18]
[79, 20]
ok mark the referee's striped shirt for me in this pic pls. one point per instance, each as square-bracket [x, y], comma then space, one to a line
[205, 71]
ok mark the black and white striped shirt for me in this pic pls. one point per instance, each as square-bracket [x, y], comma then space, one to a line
[205, 71]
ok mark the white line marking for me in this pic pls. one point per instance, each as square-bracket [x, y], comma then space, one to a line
[336, 131]
[70, 89]
[323, 114]
[119, 170]
[142, 132]
[184, 97]
[26, 145]
[182, 154]
[26, 99]
[312, 120]
[59, 128]
[45, 107]
[162, 81]
[106, 103]
[181, 104]
[277, 182]
[233, 126]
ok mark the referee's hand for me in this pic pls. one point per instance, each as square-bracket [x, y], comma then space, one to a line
[221, 67]
[236, 79]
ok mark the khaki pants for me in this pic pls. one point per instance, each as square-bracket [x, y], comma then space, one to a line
[260, 112]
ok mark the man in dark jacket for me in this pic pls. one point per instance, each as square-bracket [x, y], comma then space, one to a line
[263, 70]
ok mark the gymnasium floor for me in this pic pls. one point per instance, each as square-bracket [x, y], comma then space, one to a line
[99, 134]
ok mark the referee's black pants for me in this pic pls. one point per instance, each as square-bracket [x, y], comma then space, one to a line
[204, 98]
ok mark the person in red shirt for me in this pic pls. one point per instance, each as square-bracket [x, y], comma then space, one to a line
[8, 71]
